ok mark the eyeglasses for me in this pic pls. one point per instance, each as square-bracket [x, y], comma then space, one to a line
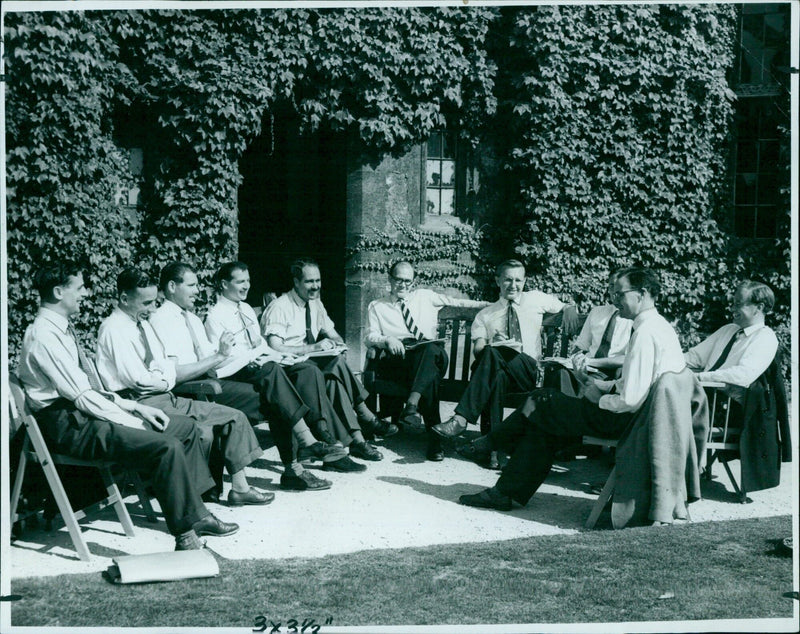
[615, 297]
[402, 281]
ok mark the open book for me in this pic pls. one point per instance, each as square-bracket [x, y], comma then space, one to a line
[260, 354]
[423, 342]
[333, 352]
[507, 343]
[169, 566]
[566, 362]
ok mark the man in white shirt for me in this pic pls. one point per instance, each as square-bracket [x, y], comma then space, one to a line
[737, 354]
[599, 348]
[132, 361]
[396, 326]
[507, 342]
[258, 391]
[232, 313]
[548, 420]
[80, 418]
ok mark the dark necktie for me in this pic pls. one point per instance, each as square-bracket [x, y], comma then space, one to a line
[605, 343]
[514, 331]
[409, 321]
[86, 364]
[309, 333]
[247, 332]
[726, 351]
[148, 350]
[192, 334]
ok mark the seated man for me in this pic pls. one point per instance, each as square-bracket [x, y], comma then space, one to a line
[131, 361]
[549, 419]
[255, 390]
[395, 327]
[79, 418]
[233, 314]
[600, 348]
[507, 344]
[737, 354]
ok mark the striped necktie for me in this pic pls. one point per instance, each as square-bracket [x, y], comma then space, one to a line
[726, 351]
[409, 321]
[243, 318]
[605, 343]
[85, 363]
[192, 334]
[148, 349]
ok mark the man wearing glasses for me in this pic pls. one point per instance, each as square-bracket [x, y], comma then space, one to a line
[402, 329]
[507, 342]
[549, 419]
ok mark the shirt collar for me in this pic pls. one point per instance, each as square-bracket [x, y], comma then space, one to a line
[296, 298]
[58, 320]
[171, 307]
[644, 316]
[221, 299]
[751, 329]
[516, 302]
[125, 315]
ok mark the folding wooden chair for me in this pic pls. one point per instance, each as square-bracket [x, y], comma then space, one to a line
[723, 435]
[34, 449]
[608, 488]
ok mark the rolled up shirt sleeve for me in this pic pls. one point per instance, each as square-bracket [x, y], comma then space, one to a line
[637, 377]
[118, 358]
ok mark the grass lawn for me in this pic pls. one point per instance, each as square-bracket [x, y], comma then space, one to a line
[723, 570]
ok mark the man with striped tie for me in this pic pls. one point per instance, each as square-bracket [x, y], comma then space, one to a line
[397, 327]
[507, 342]
[132, 362]
[297, 323]
[257, 390]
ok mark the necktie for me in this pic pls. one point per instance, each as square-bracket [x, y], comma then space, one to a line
[726, 351]
[514, 331]
[605, 343]
[192, 334]
[85, 363]
[309, 332]
[250, 341]
[409, 321]
[148, 350]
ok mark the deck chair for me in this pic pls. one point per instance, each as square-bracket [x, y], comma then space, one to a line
[608, 488]
[723, 435]
[35, 449]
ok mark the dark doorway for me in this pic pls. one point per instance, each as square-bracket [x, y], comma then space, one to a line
[292, 203]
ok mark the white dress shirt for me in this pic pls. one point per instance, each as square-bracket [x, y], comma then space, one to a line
[49, 369]
[530, 307]
[172, 324]
[237, 318]
[286, 318]
[654, 349]
[121, 354]
[748, 358]
[385, 320]
[594, 328]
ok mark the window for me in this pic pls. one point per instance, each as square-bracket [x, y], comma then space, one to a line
[440, 175]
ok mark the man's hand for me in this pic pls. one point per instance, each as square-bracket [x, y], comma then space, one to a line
[225, 344]
[579, 361]
[569, 319]
[325, 344]
[395, 346]
[158, 419]
[592, 393]
[498, 336]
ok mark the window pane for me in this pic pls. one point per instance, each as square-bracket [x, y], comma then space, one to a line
[753, 28]
[744, 221]
[768, 189]
[433, 173]
[448, 173]
[432, 203]
[751, 66]
[768, 156]
[745, 189]
[747, 120]
[774, 25]
[435, 145]
[766, 222]
[448, 147]
[447, 201]
[746, 157]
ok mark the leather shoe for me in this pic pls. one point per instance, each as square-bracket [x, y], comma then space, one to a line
[344, 465]
[306, 481]
[365, 451]
[470, 451]
[487, 499]
[250, 497]
[320, 451]
[452, 428]
[211, 525]
[434, 452]
[210, 497]
[410, 416]
[376, 427]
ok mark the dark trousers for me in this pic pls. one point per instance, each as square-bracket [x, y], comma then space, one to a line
[220, 426]
[266, 391]
[173, 460]
[323, 421]
[495, 371]
[558, 421]
[421, 370]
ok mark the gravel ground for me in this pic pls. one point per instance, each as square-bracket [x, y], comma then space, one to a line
[399, 502]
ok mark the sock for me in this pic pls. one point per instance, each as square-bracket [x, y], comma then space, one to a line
[188, 541]
[413, 398]
[295, 467]
[303, 434]
[363, 411]
[484, 443]
[239, 482]
[358, 437]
